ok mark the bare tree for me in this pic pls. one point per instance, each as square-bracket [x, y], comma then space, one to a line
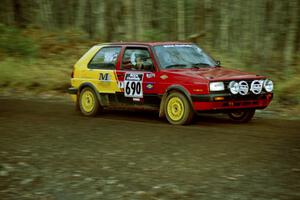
[180, 20]
[257, 32]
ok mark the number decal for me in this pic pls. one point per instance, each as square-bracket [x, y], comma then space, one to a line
[127, 89]
[133, 88]
[133, 85]
[138, 87]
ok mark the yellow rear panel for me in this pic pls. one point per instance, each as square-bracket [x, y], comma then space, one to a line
[105, 81]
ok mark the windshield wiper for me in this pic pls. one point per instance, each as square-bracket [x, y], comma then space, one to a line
[198, 65]
[175, 65]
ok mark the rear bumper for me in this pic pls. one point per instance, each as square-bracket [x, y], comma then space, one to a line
[230, 102]
[73, 94]
[72, 90]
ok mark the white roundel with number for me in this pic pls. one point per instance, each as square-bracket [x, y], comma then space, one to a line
[133, 86]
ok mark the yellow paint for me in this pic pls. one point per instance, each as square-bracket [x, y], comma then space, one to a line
[175, 108]
[82, 74]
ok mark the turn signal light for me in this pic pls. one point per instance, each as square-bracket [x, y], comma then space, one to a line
[219, 98]
[269, 96]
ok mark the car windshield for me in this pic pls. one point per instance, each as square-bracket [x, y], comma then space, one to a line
[182, 56]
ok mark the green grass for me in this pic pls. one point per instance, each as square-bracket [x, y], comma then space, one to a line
[288, 91]
[42, 60]
[35, 74]
[14, 42]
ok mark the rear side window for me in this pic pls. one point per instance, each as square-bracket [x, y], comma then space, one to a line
[105, 58]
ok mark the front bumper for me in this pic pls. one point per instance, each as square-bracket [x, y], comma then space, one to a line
[219, 102]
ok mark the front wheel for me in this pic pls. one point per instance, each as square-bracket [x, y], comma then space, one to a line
[242, 116]
[88, 102]
[178, 109]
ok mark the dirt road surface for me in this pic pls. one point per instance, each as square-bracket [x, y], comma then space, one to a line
[49, 151]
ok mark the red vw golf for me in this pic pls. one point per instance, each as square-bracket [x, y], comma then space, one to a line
[178, 80]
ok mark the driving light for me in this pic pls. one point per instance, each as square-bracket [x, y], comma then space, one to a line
[243, 88]
[268, 85]
[216, 86]
[234, 87]
[256, 86]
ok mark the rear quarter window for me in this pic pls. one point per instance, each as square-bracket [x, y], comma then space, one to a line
[105, 58]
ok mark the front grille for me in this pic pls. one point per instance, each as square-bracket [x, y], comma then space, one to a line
[247, 103]
[249, 96]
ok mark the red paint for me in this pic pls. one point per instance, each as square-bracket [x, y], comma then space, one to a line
[193, 81]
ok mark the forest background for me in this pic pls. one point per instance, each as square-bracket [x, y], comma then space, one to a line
[40, 40]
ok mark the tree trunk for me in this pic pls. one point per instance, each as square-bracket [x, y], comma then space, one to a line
[45, 10]
[80, 14]
[291, 35]
[180, 20]
[128, 14]
[139, 19]
[224, 26]
[7, 12]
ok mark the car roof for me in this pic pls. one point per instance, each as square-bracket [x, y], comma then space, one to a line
[145, 43]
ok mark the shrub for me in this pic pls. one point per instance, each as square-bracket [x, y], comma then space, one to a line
[12, 42]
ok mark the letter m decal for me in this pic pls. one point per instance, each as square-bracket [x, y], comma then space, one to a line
[104, 77]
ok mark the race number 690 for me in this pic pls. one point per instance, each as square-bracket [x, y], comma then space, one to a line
[133, 89]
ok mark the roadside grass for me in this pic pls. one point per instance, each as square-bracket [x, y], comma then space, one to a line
[43, 62]
[289, 91]
[35, 74]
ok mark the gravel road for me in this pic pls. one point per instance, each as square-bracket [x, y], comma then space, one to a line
[49, 151]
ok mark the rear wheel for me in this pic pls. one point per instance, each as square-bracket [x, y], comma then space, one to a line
[88, 102]
[242, 116]
[178, 109]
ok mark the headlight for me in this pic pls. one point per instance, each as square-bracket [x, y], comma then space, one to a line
[268, 85]
[216, 86]
[234, 87]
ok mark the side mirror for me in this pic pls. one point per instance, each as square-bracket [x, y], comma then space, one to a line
[218, 63]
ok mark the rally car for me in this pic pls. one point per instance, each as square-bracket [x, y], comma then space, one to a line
[177, 79]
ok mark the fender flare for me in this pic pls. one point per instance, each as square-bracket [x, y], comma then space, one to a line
[177, 88]
[90, 85]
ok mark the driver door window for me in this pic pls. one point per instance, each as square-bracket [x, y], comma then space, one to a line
[137, 59]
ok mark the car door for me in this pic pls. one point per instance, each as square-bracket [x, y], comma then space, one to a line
[137, 76]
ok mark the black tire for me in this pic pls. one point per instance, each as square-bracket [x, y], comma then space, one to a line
[88, 102]
[177, 109]
[242, 116]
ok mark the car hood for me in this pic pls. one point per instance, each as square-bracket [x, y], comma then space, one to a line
[214, 74]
